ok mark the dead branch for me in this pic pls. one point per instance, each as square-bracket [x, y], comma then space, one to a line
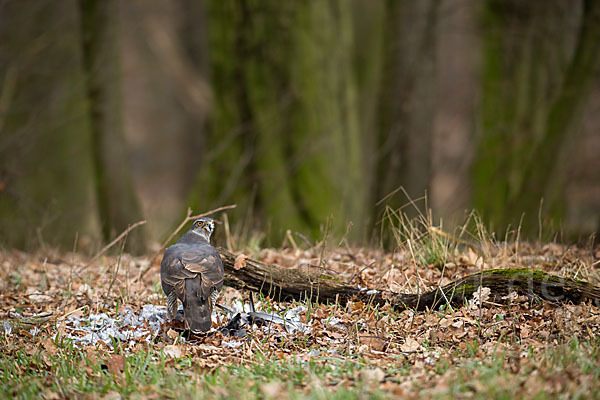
[187, 219]
[111, 244]
[292, 283]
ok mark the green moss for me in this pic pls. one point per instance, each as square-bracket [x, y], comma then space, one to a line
[329, 278]
[536, 274]
[285, 117]
[464, 288]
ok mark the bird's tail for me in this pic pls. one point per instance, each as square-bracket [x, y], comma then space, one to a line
[197, 310]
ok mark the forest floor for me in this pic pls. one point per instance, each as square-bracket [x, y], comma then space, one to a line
[77, 327]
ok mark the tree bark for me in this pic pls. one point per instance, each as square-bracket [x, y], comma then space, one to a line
[283, 284]
[539, 63]
[456, 92]
[45, 164]
[117, 203]
[407, 103]
[285, 140]
[574, 92]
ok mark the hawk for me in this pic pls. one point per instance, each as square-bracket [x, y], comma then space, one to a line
[192, 271]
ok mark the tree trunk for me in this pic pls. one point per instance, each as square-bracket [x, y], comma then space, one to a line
[407, 104]
[166, 98]
[536, 76]
[564, 111]
[285, 141]
[117, 203]
[457, 92]
[45, 164]
[369, 54]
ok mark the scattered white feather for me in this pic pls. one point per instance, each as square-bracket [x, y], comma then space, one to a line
[126, 327]
[334, 321]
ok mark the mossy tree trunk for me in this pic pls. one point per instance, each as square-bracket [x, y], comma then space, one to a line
[116, 199]
[537, 71]
[369, 56]
[45, 165]
[564, 112]
[284, 138]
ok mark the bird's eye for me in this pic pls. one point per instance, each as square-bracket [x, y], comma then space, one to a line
[199, 223]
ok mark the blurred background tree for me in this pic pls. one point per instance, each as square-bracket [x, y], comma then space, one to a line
[115, 194]
[531, 105]
[284, 140]
[309, 115]
[45, 169]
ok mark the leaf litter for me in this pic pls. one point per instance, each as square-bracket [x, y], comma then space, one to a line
[400, 352]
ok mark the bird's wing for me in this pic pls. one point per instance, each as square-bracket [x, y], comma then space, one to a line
[173, 275]
[206, 262]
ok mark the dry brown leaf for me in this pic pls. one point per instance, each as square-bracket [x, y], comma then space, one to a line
[40, 298]
[92, 355]
[525, 330]
[112, 396]
[335, 335]
[172, 334]
[458, 323]
[116, 364]
[240, 262]
[46, 359]
[479, 297]
[375, 343]
[446, 322]
[272, 389]
[410, 345]
[50, 395]
[375, 375]
[50, 346]
[173, 351]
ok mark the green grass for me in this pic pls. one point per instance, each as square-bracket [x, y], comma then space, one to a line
[69, 373]
[420, 238]
[32, 373]
[548, 375]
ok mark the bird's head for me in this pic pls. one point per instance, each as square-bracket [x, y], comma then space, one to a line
[204, 227]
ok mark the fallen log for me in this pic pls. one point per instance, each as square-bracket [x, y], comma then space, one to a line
[284, 284]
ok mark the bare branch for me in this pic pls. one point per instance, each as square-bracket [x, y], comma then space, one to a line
[111, 244]
[187, 219]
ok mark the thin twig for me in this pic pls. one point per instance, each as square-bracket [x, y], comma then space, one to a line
[185, 221]
[324, 242]
[70, 312]
[291, 239]
[359, 273]
[116, 270]
[188, 218]
[228, 238]
[301, 236]
[111, 244]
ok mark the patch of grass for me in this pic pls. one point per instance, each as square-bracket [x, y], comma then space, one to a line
[16, 280]
[30, 373]
[566, 371]
[433, 251]
[420, 238]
